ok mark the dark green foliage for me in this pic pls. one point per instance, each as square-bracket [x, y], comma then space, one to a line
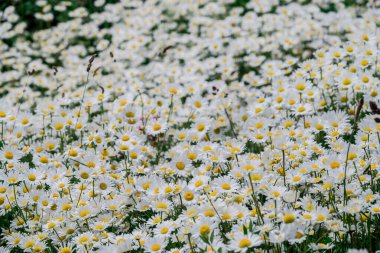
[27, 8]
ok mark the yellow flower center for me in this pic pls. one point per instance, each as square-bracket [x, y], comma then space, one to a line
[130, 114]
[83, 239]
[162, 205]
[99, 227]
[296, 178]
[200, 127]
[197, 104]
[204, 229]
[321, 217]
[155, 247]
[198, 183]
[319, 127]
[73, 152]
[180, 165]
[37, 248]
[156, 127]
[84, 175]
[334, 165]
[24, 121]
[209, 213]
[346, 81]
[164, 230]
[51, 225]
[244, 243]
[66, 207]
[84, 213]
[50, 146]
[65, 250]
[103, 186]
[226, 186]
[300, 86]
[44, 159]
[189, 196]
[226, 216]
[31, 177]
[8, 155]
[29, 244]
[58, 126]
[289, 218]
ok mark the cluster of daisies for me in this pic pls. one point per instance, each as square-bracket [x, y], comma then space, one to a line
[191, 126]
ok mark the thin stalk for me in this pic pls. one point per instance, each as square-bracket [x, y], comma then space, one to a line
[255, 200]
[231, 123]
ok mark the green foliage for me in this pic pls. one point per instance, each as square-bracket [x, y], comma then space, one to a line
[27, 9]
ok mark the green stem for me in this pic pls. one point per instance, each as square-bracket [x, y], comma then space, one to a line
[231, 123]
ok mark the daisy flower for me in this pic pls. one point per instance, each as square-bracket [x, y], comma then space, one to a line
[10, 154]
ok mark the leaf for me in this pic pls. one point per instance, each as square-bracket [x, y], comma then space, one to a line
[212, 236]
[204, 238]
[250, 226]
[245, 230]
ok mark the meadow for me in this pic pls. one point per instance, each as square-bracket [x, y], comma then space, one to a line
[189, 126]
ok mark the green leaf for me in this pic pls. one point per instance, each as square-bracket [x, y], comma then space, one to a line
[212, 236]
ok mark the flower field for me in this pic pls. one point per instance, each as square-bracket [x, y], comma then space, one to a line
[189, 126]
